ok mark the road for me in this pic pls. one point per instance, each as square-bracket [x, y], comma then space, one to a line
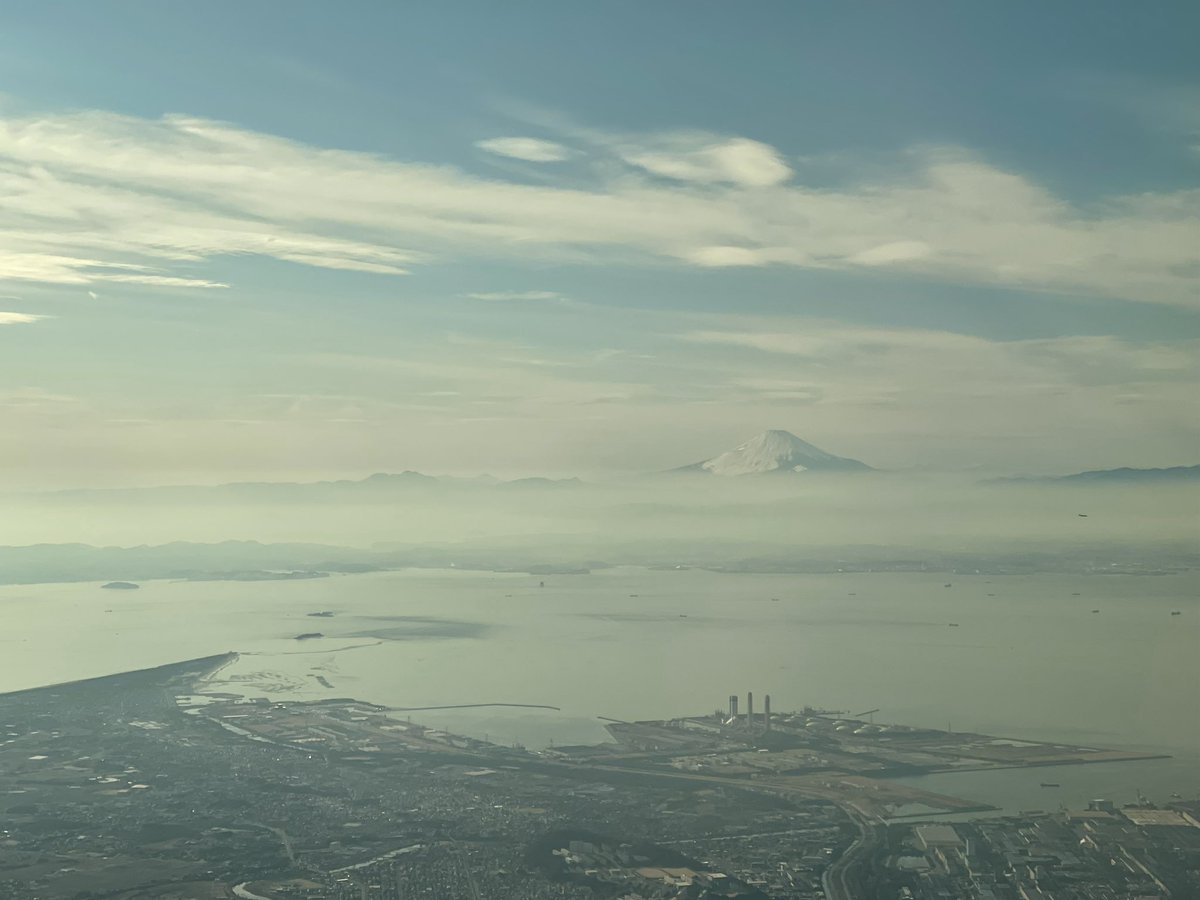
[465, 866]
[836, 881]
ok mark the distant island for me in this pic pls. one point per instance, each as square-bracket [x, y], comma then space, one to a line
[120, 586]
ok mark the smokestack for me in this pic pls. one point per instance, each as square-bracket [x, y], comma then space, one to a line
[767, 712]
[733, 706]
[749, 707]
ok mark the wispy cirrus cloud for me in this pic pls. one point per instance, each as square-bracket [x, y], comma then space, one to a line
[518, 296]
[526, 148]
[60, 268]
[949, 364]
[16, 318]
[707, 158]
[900, 396]
[97, 197]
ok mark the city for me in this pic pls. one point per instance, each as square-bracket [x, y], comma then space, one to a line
[143, 785]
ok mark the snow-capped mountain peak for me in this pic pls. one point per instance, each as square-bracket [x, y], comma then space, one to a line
[776, 451]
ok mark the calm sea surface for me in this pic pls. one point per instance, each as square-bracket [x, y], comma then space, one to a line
[1028, 658]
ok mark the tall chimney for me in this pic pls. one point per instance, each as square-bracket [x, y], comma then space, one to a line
[767, 712]
[749, 707]
[733, 698]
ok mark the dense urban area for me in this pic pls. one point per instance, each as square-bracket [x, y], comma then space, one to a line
[145, 785]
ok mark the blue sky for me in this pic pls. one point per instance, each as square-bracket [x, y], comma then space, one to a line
[300, 240]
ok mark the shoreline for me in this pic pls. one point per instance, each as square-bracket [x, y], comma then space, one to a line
[215, 663]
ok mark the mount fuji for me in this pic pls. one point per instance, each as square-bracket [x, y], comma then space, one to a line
[775, 451]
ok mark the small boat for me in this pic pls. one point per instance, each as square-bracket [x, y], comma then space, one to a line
[1051, 784]
[953, 624]
[1095, 610]
[1176, 612]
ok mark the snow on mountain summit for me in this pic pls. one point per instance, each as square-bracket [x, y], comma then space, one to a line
[776, 451]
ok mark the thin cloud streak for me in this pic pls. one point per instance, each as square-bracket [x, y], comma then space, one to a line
[527, 149]
[707, 159]
[518, 296]
[16, 318]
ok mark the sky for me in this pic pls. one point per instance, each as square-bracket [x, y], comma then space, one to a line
[290, 241]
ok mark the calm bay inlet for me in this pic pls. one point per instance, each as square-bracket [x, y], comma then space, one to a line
[487, 649]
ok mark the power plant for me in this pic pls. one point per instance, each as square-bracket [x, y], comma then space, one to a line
[734, 718]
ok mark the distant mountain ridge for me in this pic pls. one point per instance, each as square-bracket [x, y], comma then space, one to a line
[1125, 475]
[772, 452]
[775, 451]
[1128, 474]
[382, 484]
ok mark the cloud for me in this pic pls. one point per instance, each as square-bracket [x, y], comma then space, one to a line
[818, 340]
[58, 268]
[38, 401]
[944, 363]
[893, 396]
[917, 396]
[558, 399]
[526, 148]
[95, 197]
[781, 389]
[708, 159]
[895, 252]
[518, 296]
[16, 318]
[725, 257]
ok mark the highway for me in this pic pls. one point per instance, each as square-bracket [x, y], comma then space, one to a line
[837, 881]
